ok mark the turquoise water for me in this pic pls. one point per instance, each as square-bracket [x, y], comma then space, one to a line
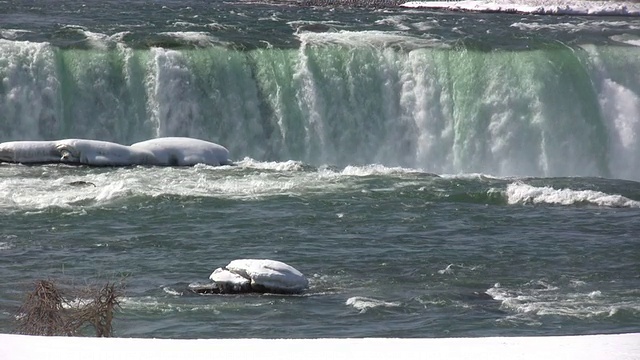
[432, 174]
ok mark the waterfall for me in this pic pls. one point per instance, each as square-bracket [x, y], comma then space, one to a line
[341, 99]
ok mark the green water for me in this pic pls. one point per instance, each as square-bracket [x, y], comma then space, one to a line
[432, 174]
[388, 252]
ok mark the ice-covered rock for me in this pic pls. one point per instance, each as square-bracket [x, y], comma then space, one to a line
[183, 151]
[254, 275]
[269, 275]
[229, 282]
[168, 151]
[29, 152]
[101, 153]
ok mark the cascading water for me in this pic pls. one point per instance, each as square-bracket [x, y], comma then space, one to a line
[617, 80]
[30, 96]
[342, 99]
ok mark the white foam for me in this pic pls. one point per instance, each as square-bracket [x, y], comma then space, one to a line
[216, 26]
[529, 26]
[531, 301]
[39, 193]
[372, 38]
[301, 26]
[627, 39]
[112, 190]
[290, 165]
[471, 176]
[519, 193]
[348, 171]
[376, 169]
[183, 24]
[21, 191]
[171, 291]
[98, 40]
[154, 305]
[199, 38]
[12, 34]
[595, 294]
[365, 303]
[573, 27]
[75, 303]
[539, 7]
[448, 270]
[396, 21]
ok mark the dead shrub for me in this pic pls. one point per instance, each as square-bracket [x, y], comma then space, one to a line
[47, 310]
[42, 313]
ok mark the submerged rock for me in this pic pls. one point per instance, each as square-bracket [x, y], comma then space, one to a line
[81, 183]
[204, 288]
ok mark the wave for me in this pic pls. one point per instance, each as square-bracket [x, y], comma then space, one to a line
[12, 34]
[627, 39]
[198, 38]
[364, 303]
[536, 299]
[520, 193]
[574, 27]
[75, 189]
[369, 38]
[150, 304]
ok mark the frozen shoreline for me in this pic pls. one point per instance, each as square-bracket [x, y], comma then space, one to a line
[619, 347]
[537, 7]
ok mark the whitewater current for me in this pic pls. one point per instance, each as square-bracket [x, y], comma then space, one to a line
[433, 172]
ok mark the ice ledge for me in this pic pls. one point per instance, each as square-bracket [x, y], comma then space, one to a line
[537, 7]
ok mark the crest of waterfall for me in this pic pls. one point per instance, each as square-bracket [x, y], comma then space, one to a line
[341, 99]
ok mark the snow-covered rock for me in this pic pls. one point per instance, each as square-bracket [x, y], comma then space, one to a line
[254, 275]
